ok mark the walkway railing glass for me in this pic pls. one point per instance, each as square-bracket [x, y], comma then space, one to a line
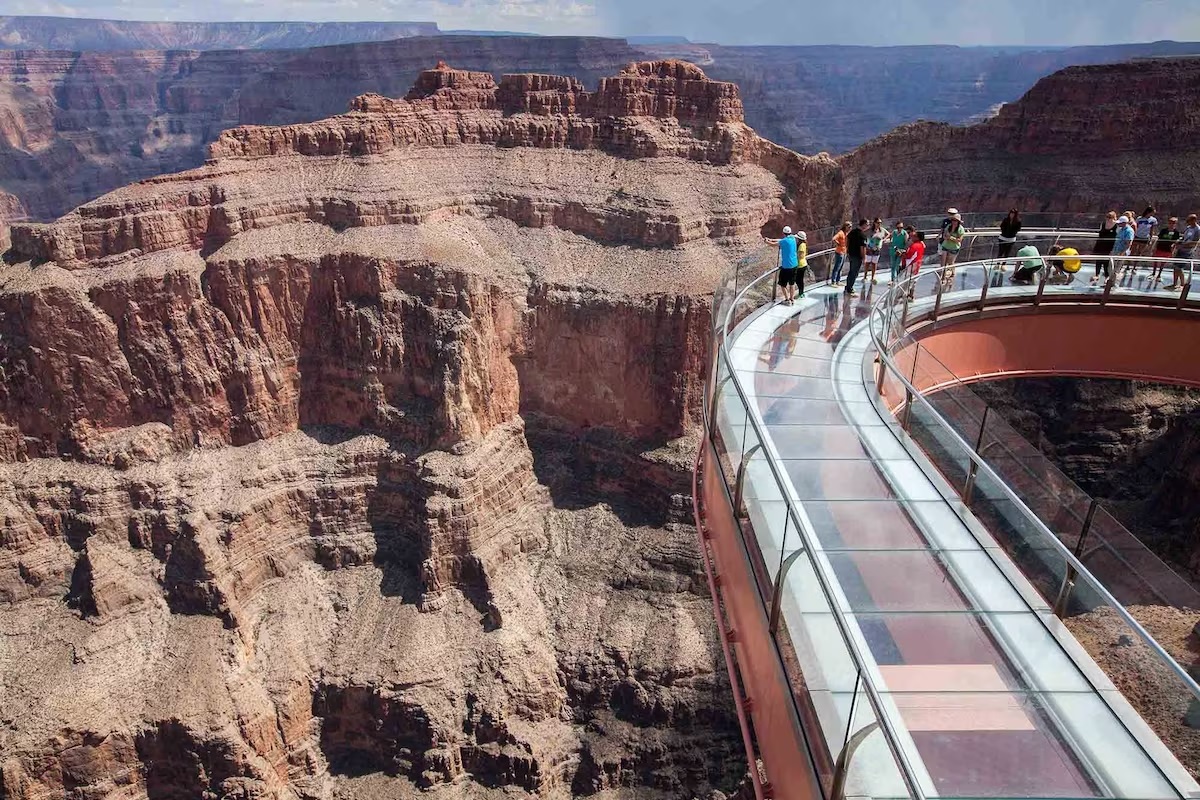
[800, 558]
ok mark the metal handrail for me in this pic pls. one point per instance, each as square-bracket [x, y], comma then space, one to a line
[908, 773]
[722, 329]
[887, 362]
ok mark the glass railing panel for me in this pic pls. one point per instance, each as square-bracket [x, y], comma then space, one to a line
[1156, 697]
[815, 653]
[729, 423]
[871, 767]
[1038, 557]
[939, 443]
[1134, 574]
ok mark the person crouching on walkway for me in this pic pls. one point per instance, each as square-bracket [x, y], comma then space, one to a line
[788, 260]
[1069, 265]
[1031, 263]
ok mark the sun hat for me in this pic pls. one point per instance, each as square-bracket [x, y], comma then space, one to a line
[1122, 218]
[787, 230]
[952, 211]
[802, 236]
[956, 216]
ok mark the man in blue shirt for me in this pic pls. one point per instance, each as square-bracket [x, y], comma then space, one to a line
[1123, 241]
[788, 259]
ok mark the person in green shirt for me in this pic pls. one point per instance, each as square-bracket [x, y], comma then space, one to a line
[1031, 262]
[897, 245]
[952, 242]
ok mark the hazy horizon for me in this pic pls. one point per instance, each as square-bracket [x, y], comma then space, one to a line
[1009, 23]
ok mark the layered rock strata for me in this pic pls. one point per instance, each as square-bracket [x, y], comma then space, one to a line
[355, 463]
[79, 124]
[1084, 139]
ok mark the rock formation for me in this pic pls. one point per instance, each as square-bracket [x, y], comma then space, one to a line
[834, 98]
[355, 462]
[1073, 143]
[76, 125]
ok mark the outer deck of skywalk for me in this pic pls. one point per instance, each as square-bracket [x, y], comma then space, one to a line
[920, 658]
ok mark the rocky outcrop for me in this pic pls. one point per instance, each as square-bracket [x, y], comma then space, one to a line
[1132, 445]
[335, 264]
[78, 124]
[355, 462]
[1071, 143]
[834, 98]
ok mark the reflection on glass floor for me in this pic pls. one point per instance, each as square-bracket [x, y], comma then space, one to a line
[973, 667]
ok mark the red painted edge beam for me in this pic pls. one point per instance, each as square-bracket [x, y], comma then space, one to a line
[723, 634]
[1130, 343]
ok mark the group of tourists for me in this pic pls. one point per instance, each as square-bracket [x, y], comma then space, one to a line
[858, 249]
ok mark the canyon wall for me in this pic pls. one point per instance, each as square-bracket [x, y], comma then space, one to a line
[1133, 445]
[1084, 139]
[834, 98]
[77, 34]
[76, 124]
[356, 462]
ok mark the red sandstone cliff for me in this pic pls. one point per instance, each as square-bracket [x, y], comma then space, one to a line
[1084, 139]
[349, 464]
[75, 125]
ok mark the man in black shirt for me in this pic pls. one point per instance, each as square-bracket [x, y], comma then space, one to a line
[856, 249]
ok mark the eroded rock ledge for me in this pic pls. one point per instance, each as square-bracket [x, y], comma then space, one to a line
[327, 473]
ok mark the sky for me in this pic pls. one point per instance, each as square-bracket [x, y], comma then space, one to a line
[963, 22]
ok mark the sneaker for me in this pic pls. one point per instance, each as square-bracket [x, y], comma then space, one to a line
[873, 280]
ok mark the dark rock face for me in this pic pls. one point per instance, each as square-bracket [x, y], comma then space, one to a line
[1070, 144]
[822, 98]
[1134, 446]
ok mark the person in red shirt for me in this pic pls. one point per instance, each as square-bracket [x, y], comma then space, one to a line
[914, 255]
[910, 263]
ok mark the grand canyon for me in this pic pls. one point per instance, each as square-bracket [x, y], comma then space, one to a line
[89, 106]
[354, 460]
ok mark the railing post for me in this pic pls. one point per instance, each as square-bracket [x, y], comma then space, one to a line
[712, 415]
[838, 790]
[987, 281]
[1037, 300]
[908, 401]
[937, 304]
[973, 470]
[777, 589]
[1068, 584]
[741, 479]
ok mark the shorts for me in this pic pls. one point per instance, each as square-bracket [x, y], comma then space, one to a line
[787, 277]
[872, 256]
